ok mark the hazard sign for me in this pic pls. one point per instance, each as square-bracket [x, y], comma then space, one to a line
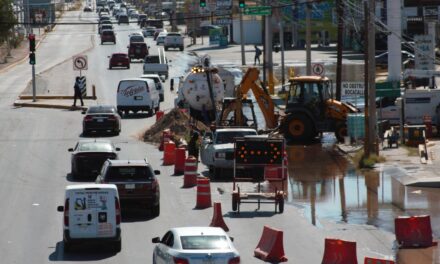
[258, 151]
[318, 69]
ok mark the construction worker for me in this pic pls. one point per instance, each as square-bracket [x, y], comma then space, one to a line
[193, 145]
[257, 55]
[77, 92]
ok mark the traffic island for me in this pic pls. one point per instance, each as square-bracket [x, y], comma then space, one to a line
[55, 101]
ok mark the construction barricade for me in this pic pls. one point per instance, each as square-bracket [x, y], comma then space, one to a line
[179, 161]
[166, 136]
[270, 248]
[413, 231]
[338, 251]
[203, 193]
[217, 218]
[276, 172]
[190, 174]
[168, 153]
[377, 261]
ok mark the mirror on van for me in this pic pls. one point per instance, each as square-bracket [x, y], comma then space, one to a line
[231, 238]
[157, 172]
[70, 150]
[60, 208]
[83, 112]
[118, 149]
[155, 240]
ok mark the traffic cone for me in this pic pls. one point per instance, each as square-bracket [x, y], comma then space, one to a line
[217, 218]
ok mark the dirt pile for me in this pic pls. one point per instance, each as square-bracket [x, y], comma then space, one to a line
[178, 122]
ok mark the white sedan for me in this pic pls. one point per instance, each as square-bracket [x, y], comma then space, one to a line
[194, 245]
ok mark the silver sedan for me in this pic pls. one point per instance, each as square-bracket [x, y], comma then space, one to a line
[204, 245]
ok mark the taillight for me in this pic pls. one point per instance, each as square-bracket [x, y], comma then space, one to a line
[66, 212]
[180, 261]
[155, 185]
[112, 118]
[88, 118]
[235, 260]
[118, 211]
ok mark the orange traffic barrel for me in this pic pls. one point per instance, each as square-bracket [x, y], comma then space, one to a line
[168, 153]
[159, 115]
[203, 193]
[337, 251]
[190, 174]
[179, 164]
[166, 135]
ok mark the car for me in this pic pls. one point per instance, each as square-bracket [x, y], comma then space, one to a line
[108, 36]
[136, 37]
[123, 18]
[104, 27]
[134, 15]
[91, 214]
[158, 31]
[140, 18]
[87, 9]
[101, 118]
[161, 38]
[156, 64]
[119, 60]
[136, 181]
[173, 40]
[148, 31]
[137, 50]
[382, 59]
[89, 155]
[195, 245]
[158, 81]
[105, 22]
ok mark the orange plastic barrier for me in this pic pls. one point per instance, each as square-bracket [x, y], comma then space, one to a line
[414, 231]
[217, 218]
[377, 261]
[168, 153]
[270, 248]
[159, 115]
[203, 193]
[179, 162]
[190, 174]
[275, 172]
[166, 136]
[339, 252]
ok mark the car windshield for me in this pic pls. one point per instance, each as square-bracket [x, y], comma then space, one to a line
[228, 137]
[136, 39]
[95, 146]
[204, 242]
[129, 173]
[173, 35]
[152, 59]
[101, 110]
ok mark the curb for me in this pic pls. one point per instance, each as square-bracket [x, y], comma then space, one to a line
[17, 104]
[54, 97]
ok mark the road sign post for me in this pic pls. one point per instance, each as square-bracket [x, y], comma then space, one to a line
[258, 10]
[80, 63]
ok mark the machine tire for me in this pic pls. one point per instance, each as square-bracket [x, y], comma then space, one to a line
[150, 113]
[340, 131]
[280, 205]
[299, 127]
[234, 201]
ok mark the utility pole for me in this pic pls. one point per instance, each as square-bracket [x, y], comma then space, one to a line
[372, 77]
[174, 17]
[283, 78]
[268, 50]
[243, 58]
[308, 38]
[340, 11]
[366, 93]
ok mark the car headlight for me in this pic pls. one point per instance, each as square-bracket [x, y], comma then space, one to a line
[220, 155]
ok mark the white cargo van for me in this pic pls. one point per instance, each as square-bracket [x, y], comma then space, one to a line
[137, 94]
[92, 213]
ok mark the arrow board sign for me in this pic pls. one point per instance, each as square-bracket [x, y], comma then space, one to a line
[80, 63]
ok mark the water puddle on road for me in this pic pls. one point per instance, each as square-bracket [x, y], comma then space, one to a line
[326, 185]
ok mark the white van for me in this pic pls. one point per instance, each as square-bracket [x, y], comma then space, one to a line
[92, 213]
[158, 81]
[137, 94]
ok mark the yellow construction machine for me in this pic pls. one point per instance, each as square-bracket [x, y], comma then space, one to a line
[309, 107]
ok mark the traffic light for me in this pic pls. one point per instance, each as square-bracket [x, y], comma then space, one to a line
[241, 4]
[32, 58]
[202, 3]
[31, 42]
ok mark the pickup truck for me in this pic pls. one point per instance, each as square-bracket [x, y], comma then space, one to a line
[156, 64]
[173, 40]
[217, 148]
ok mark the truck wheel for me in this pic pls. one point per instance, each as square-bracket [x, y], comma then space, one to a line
[150, 113]
[341, 131]
[181, 48]
[67, 247]
[117, 246]
[298, 127]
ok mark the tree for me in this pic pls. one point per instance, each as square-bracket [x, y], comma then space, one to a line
[7, 19]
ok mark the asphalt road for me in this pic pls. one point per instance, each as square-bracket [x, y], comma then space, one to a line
[34, 165]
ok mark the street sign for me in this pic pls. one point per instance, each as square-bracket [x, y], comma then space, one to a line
[80, 63]
[258, 10]
[223, 21]
[224, 4]
[424, 52]
[430, 13]
[318, 69]
[353, 89]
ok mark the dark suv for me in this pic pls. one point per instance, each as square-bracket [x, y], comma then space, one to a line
[108, 36]
[137, 50]
[136, 181]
